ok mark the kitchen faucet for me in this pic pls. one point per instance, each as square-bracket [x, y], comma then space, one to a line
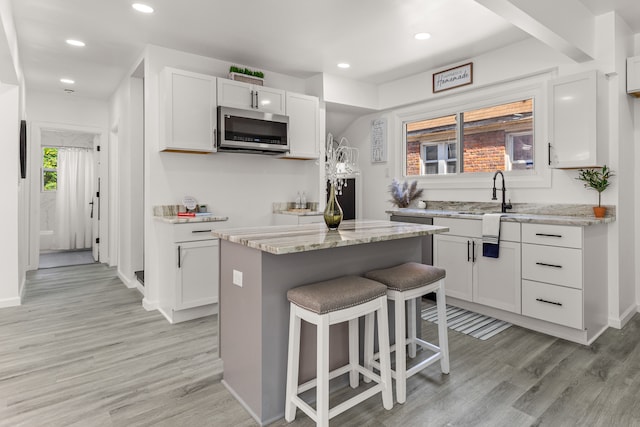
[504, 205]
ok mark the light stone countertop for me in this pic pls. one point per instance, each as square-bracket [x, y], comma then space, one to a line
[300, 212]
[189, 219]
[509, 217]
[286, 239]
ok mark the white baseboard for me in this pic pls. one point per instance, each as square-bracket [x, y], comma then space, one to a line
[624, 318]
[128, 282]
[149, 305]
[10, 302]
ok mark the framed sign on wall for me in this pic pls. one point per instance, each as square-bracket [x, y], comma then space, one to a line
[453, 77]
[378, 140]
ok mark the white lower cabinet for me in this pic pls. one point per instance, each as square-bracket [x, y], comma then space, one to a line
[494, 282]
[190, 271]
[197, 273]
[550, 278]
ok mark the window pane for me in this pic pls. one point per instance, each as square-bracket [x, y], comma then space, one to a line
[431, 133]
[485, 130]
[521, 151]
[431, 169]
[50, 158]
[49, 180]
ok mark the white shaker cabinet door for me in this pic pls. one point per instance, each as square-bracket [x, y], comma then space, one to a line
[189, 111]
[197, 274]
[573, 135]
[498, 279]
[454, 254]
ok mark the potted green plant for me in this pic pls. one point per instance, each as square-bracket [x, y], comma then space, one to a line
[597, 179]
[246, 75]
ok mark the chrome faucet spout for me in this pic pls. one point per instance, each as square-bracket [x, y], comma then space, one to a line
[504, 206]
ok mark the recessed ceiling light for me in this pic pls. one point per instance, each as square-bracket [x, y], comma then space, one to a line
[67, 81]
[77, 43]
[343, 65]
[140, 7]
[422, 36]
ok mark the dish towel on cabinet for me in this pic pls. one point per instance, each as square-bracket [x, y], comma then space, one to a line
[491, 235]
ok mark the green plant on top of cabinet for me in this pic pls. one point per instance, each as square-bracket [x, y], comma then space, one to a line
[235, 94]
[304, 126]
[189, 111]
[576, 137]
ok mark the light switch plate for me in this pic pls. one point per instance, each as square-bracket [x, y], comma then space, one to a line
[237, 278]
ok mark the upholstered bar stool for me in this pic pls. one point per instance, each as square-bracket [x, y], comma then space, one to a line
[323, 304]
[408, 283]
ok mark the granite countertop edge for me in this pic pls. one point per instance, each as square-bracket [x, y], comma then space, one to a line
[508, 217]
[187, 219]
[299, 213]
[282, 240]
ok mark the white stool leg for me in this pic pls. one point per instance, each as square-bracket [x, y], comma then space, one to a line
[368, 344]
[322, 374]
[443, 340]
[293, 360]
[401, 350]
[354, 353]
[385, 355]
[411, 326]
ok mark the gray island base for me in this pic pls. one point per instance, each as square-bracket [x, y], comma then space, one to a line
[254, 311]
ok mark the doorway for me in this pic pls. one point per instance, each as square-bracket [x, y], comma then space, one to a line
[68, 202]
[52, 147]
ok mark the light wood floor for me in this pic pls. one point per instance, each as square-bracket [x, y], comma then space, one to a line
[81, 351]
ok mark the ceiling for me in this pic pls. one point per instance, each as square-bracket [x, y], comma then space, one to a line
[293, 37]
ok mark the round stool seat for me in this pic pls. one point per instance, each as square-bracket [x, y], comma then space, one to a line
[336, 294]
[407, 276]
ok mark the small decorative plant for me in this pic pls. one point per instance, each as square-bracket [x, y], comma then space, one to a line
[597, 179]
[241, 70]
[403, 193]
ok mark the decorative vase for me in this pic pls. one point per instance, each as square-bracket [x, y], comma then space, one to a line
[333, 211]
[599, 211]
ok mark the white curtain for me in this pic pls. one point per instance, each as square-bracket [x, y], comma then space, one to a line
[73, 195]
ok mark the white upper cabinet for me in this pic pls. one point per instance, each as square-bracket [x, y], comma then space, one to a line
[304, 126]
[576, 138]
[236, 94]
[633, 76]
[189, 111]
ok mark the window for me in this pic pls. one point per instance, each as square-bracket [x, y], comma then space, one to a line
[49, 169]
[497, 137]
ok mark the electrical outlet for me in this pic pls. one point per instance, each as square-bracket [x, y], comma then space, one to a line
[237, 278]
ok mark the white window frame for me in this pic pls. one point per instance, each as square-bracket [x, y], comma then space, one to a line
[443, 157]
[534, 87]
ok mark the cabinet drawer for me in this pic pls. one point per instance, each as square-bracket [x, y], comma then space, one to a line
[509, 231]
[551, 303]
[552, 235]
[560, 266]
[190, 232]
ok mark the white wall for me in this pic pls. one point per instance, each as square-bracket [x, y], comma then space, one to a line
[13, 227]
[240, 186]
[490, 72]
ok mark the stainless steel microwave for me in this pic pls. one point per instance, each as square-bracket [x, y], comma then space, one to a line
[252, 131]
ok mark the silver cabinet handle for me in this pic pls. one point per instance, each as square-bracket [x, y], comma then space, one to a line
[549, 302]
[544, 264]
[256, 99]
[201, 231]
[252, 106]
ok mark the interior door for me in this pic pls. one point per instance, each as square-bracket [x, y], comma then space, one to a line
[95, 201]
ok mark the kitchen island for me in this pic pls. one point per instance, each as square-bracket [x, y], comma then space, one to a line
[257, 267]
